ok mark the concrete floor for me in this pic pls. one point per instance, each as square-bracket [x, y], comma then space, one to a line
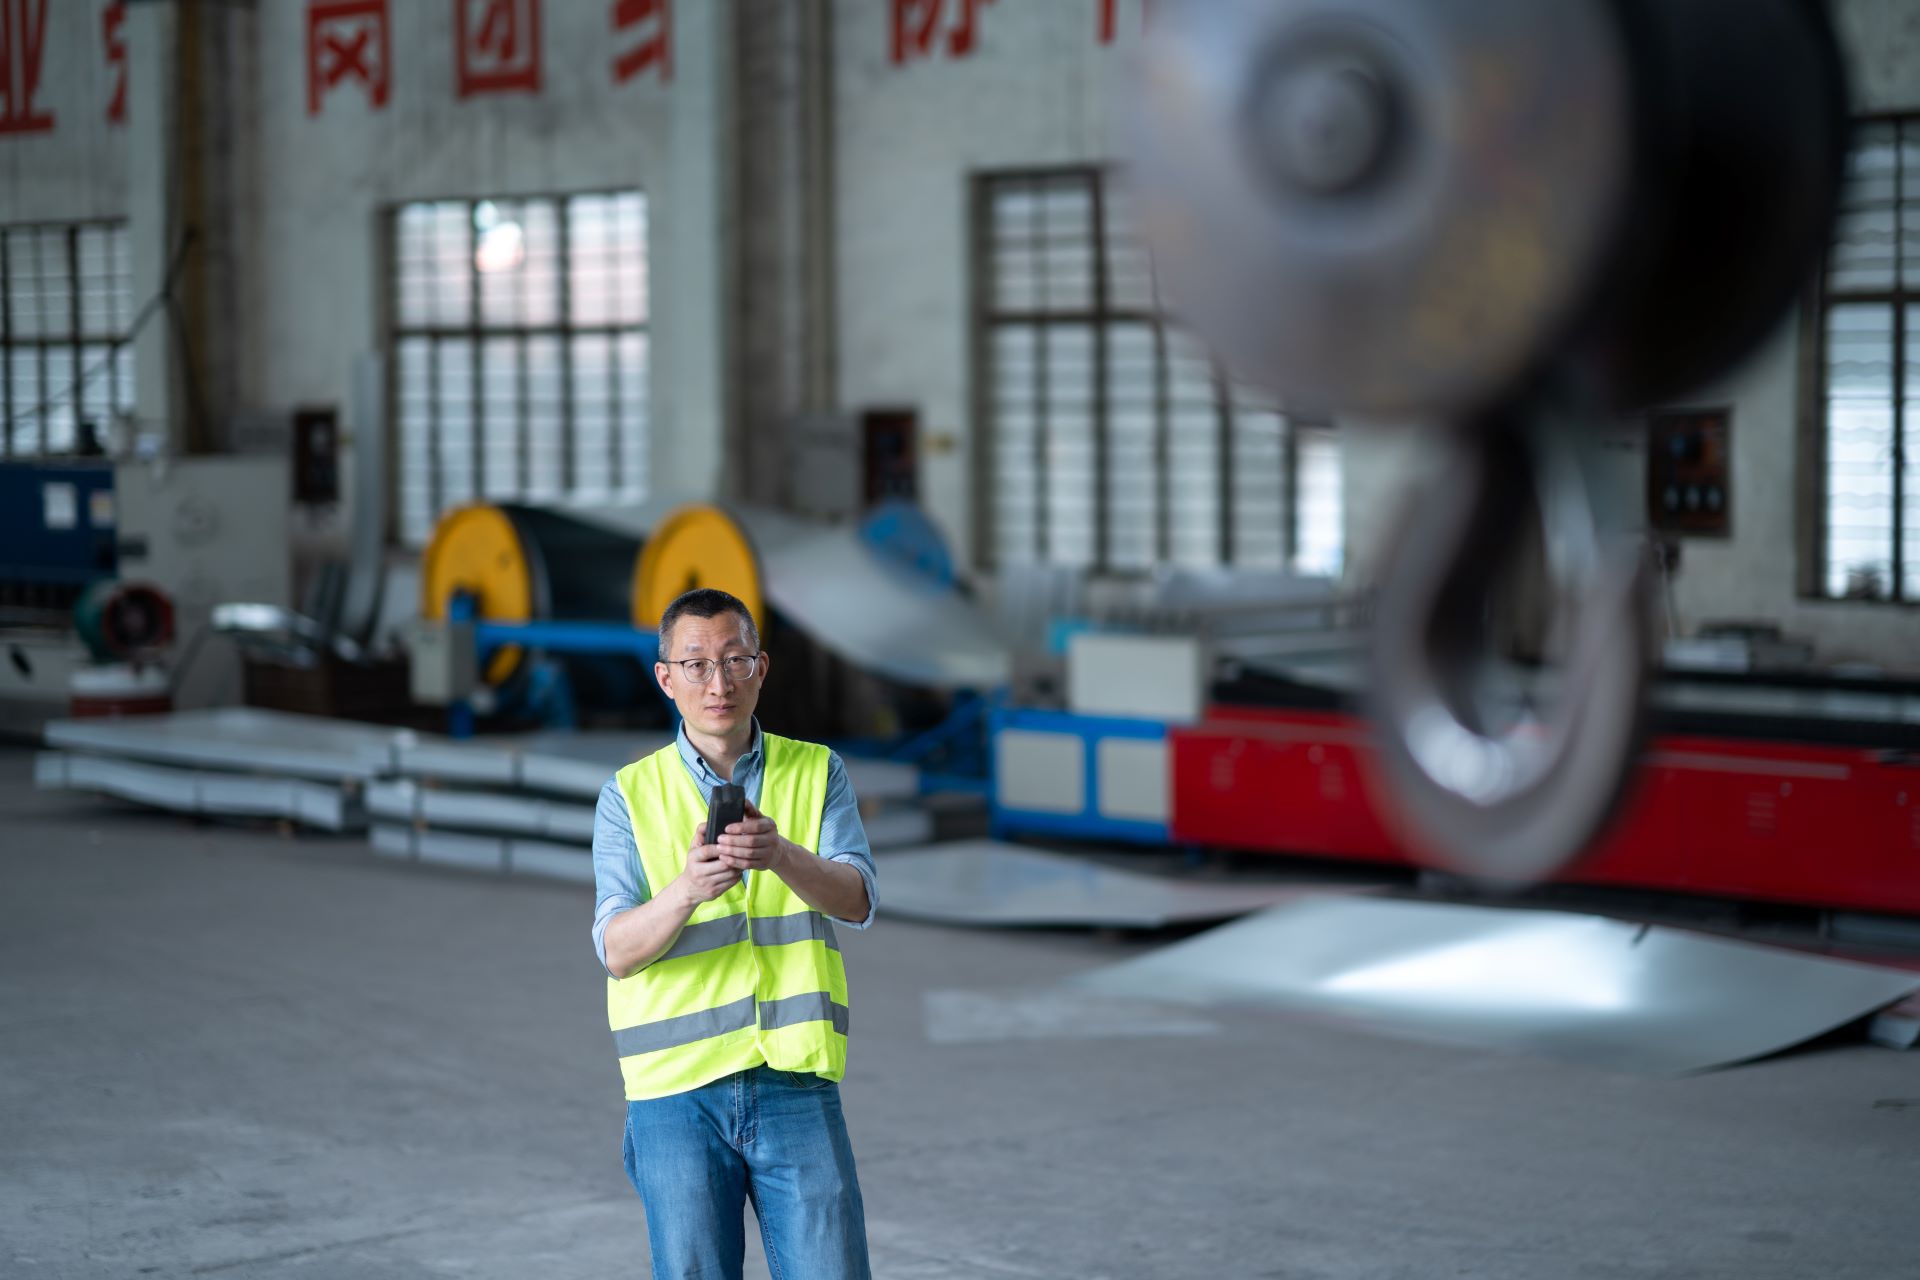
[225, 1052]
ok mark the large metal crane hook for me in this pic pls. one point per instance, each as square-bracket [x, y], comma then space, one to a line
[1506, 222]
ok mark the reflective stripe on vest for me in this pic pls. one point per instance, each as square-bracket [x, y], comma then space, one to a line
[756, 975]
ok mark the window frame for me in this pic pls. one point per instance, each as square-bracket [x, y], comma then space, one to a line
[477, 333]
[1813, 453]
[73, 339]
[1099, 317]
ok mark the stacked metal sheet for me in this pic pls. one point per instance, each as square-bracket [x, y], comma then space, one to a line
[524, 805]
[230, 761]
[521, 805]
[516, 806]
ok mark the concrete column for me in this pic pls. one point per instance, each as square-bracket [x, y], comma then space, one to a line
[694, 208]
[151, 230]
[190, 93]
[785, 294]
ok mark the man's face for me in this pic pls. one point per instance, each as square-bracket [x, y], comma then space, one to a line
[722, 706]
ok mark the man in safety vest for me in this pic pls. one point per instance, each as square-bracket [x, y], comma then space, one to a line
[725, 988]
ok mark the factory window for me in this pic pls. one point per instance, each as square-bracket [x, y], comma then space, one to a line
[520, 352]
[1113, 441]
[66, 304]
[1869, 349]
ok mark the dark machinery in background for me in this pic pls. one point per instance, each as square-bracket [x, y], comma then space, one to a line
[516, 564]
[75, 635]
[1504, 222]
[57, 532]
[529, 613]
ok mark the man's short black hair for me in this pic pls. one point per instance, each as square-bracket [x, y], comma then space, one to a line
[706, 602]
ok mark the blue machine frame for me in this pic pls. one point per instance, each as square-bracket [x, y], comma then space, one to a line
[549, 691]
[1090, 819]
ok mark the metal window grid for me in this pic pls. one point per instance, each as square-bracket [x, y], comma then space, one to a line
[1868, 354]
[519, 334]
[1111, 441]
[66, 303]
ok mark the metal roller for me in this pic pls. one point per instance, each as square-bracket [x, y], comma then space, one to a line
[877, 598]
[525, 564]
[696, 545]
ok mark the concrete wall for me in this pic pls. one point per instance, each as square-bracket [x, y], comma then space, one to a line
[316, 292]
[287, 286]
[78, 169]
[1035, 92]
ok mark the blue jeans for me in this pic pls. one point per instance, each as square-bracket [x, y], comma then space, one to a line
[776, 1138]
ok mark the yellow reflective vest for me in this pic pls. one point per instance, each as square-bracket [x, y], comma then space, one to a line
[755, 976]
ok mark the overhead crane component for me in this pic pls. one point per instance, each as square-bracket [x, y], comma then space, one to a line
[1506, 222]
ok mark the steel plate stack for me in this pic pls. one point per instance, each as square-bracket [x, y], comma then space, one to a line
[228, 762]
[524, 805]
[519, 805]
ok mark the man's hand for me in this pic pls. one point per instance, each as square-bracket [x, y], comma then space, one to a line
[754, 844]
[708, 873]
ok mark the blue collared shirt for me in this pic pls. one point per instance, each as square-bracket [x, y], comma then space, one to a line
[620, 885]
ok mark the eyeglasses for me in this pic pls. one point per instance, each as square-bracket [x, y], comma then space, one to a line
[740, 666]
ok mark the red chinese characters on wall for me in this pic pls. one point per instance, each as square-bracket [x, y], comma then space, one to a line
[348, 40]
[113, 22]
[652, 21]
[23, 44]
[496, 46]
[916, 27]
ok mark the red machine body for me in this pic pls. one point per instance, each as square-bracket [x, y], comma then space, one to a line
[1819, 824]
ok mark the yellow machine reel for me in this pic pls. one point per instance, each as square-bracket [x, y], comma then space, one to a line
[477, 549]
[696, 546]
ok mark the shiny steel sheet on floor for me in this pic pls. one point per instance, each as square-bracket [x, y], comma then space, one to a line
[245, 739]
[1048, 1013]
[988, 882]
[1617, 995]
